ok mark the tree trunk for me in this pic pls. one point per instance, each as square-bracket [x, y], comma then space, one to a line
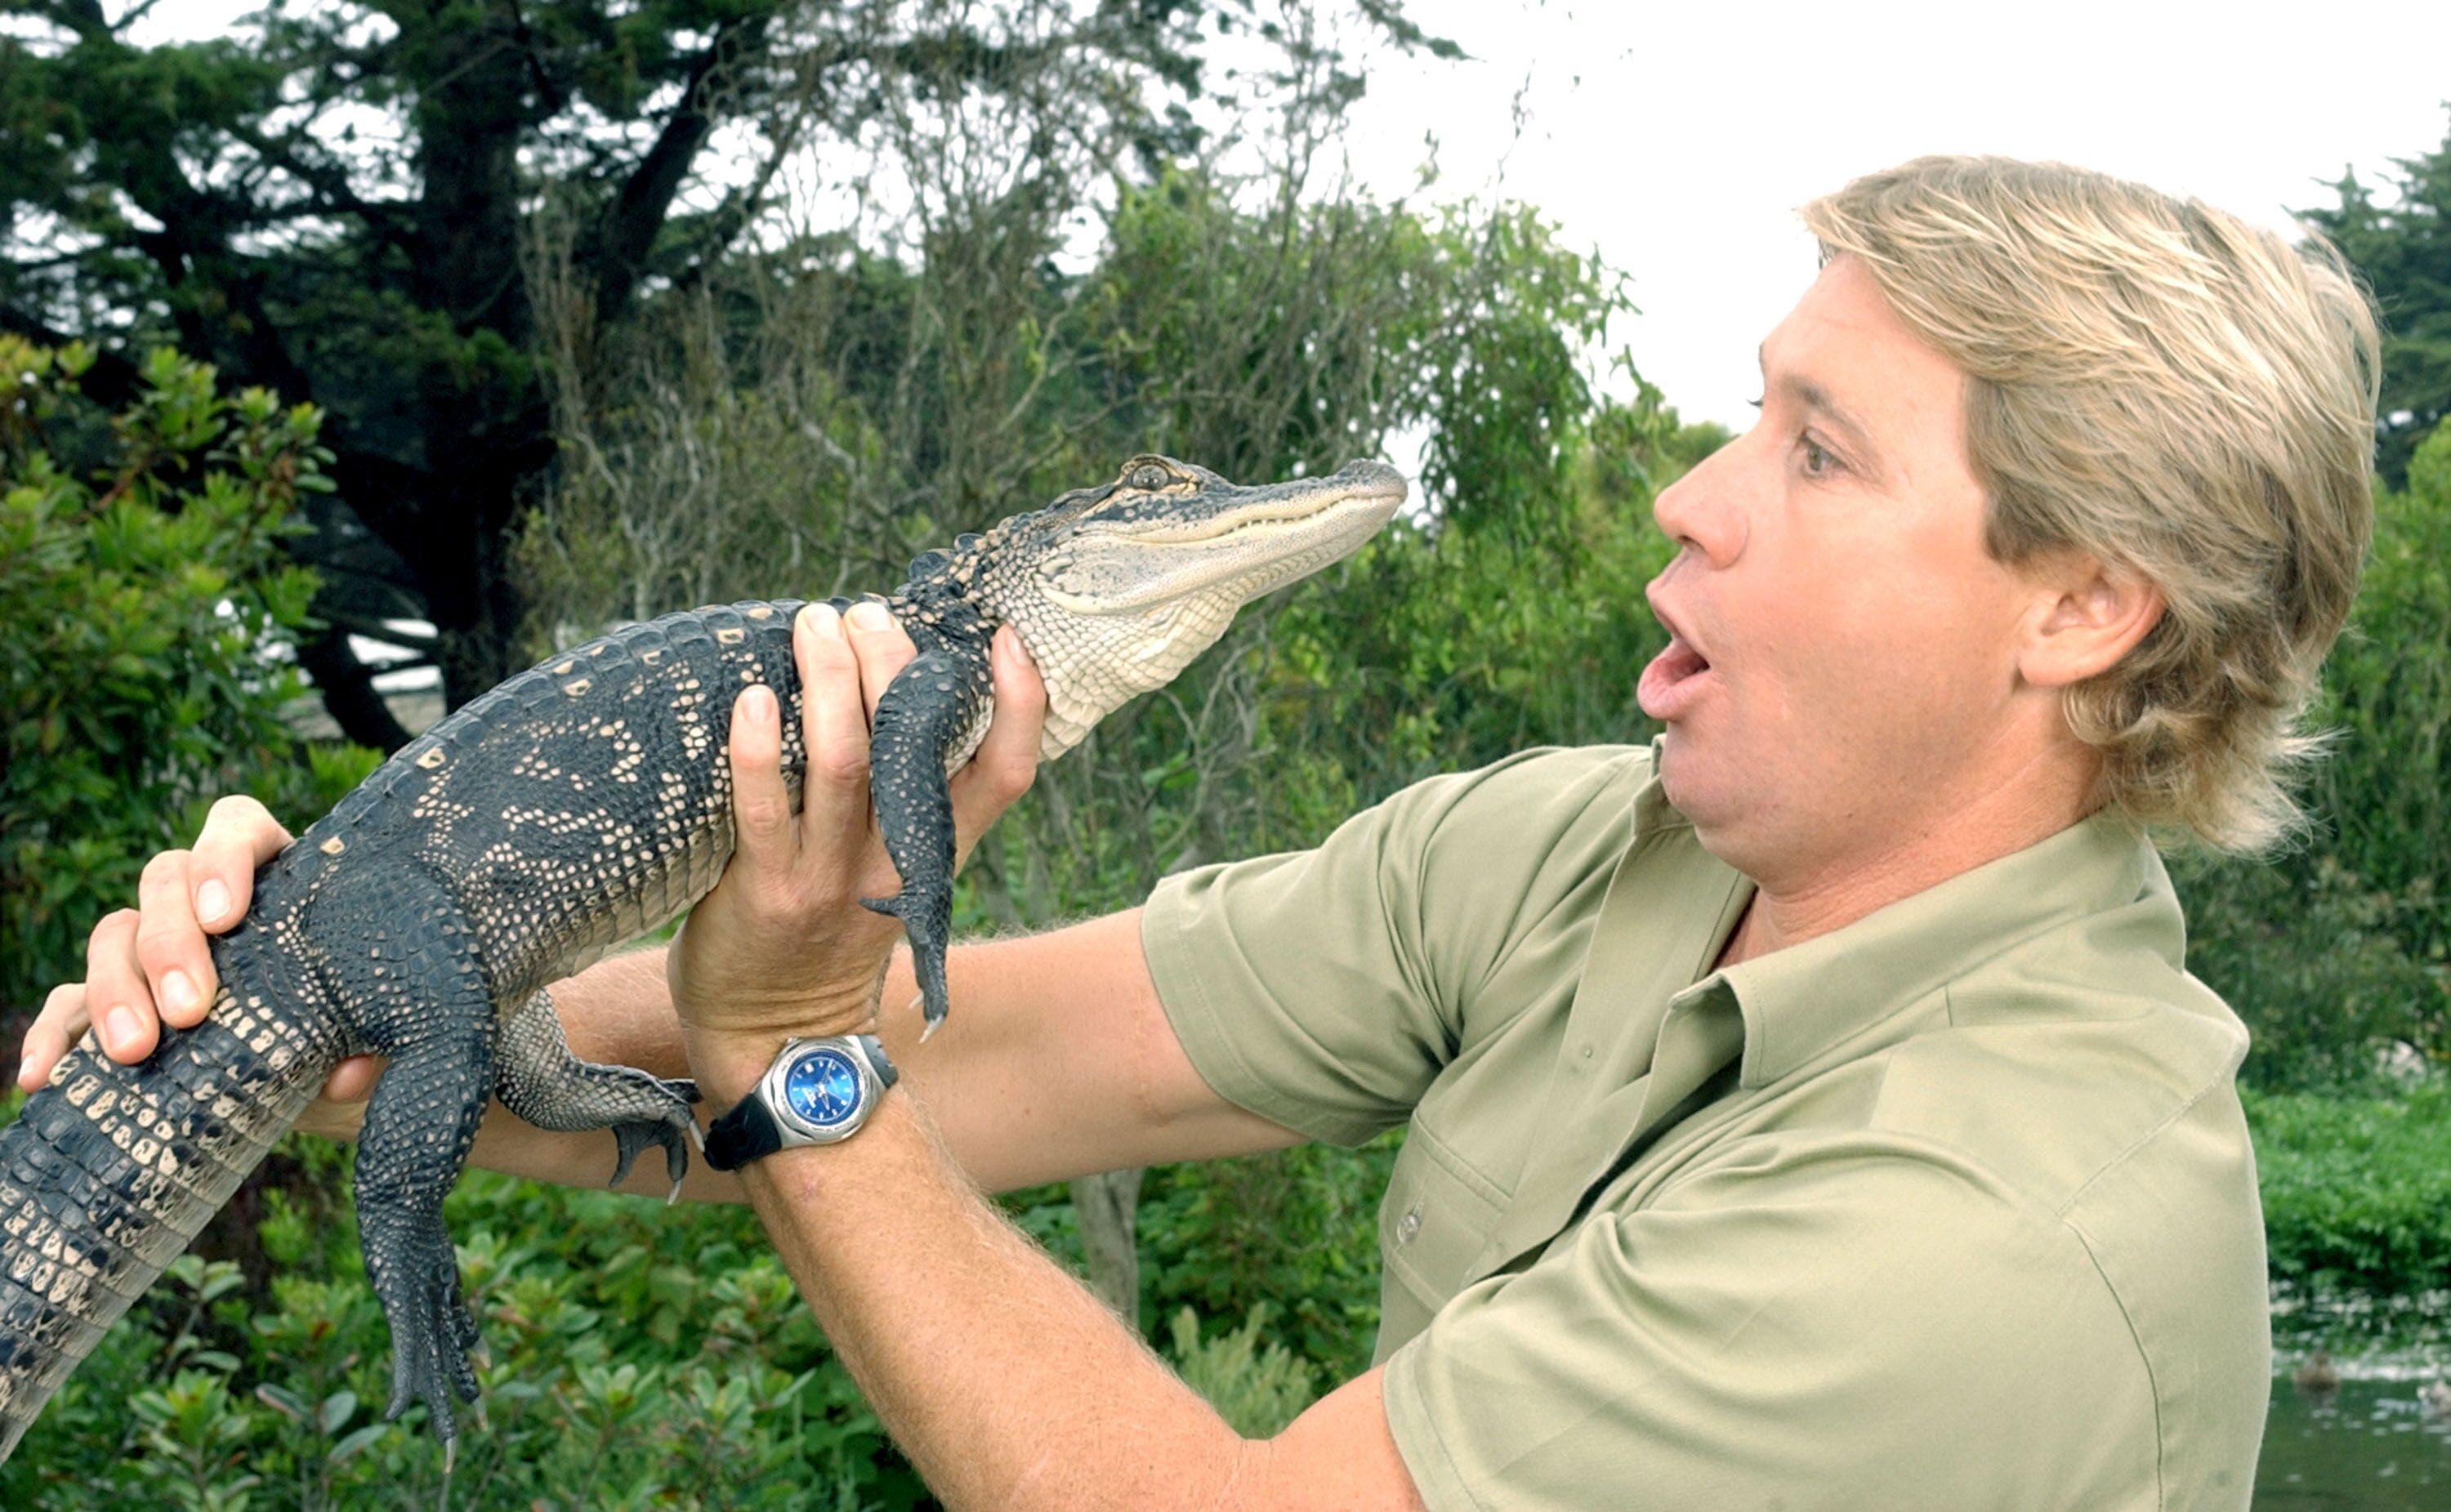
[1106, 1206]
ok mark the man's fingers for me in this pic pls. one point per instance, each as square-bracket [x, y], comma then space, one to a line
[1007, 760]
[761, 807]
[60, 1024]
[834, 718]
[170, 945]
[240, 836]
[116, 995]
[353, 1080]
[882, 646]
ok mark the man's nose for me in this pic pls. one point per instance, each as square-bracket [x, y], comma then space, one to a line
[1703, 510]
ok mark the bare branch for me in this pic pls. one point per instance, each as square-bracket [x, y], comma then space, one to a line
[629, 226]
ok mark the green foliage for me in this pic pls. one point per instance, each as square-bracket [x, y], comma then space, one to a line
[641, 1357]
[2404, 251]
[1295, 1231]
[145, 609]
[2357, 1192]
[1258, 1388]
[2335, 952]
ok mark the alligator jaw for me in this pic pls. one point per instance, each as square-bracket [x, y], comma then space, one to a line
[1116, 590]
[1208, 539]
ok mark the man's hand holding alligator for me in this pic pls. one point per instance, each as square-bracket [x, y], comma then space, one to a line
[782, 946]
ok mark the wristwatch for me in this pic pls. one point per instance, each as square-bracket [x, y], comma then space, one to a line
[818, 1091]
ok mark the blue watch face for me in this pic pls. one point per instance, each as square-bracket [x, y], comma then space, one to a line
[822, 1086]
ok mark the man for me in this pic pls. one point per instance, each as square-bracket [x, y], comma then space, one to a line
[1811, 1111]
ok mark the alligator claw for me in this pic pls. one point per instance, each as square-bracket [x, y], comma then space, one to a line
[634, 1137]
[432, 1333]
[927, 919]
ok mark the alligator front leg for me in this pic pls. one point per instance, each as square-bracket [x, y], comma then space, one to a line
[924, 710]
[542, 1082]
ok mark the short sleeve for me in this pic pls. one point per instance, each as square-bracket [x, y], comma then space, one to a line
[1831, 1328]
[1325, 989]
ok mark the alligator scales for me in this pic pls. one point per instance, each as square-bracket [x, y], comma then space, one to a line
[574, 808]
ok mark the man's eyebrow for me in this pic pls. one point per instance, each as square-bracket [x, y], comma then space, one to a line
[1813, 397]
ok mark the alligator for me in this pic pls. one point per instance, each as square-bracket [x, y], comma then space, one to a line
[573, 809]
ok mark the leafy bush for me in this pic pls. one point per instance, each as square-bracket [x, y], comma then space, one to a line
[2357, 1192]
[2335, 951]
[641, 1357]
[1295, 1231]
[146, 607]
[1256, 1389]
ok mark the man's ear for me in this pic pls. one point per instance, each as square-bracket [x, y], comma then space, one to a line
[2086, 617]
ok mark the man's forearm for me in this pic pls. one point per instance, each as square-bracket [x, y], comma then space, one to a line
[1001, 1378]
[1057, 1062]
[1004, 1379]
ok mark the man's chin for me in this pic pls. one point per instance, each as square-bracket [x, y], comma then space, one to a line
[1699, 784]
[1683, 774]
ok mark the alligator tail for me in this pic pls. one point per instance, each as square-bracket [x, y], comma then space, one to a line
[111, 1170]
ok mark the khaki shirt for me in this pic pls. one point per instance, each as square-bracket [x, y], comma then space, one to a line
[1953, 1208]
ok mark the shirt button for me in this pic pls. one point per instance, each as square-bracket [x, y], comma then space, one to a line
[1409, 1225]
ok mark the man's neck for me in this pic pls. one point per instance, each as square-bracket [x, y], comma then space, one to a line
[1790, 908]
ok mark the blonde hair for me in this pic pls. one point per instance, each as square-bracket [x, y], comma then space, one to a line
[2176, 393]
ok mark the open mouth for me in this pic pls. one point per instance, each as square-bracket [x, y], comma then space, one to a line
[1675, 678]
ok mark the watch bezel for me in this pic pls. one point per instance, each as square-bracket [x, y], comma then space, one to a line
[774, 1090]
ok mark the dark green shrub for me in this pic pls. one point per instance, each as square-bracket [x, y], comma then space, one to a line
[2342, 947]
[641, 1357]
[146, 610]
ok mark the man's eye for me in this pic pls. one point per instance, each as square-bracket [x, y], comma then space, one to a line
[1818, 461]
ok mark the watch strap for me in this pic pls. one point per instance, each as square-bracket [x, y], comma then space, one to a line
[743, 1134]
[886, 1074]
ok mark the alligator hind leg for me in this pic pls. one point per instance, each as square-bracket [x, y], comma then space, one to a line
[542, 1082]
[422, 1002]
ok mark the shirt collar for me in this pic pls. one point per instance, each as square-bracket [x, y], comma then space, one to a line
[1806, 1000]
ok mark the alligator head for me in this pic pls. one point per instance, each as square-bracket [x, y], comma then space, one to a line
[1116, 588]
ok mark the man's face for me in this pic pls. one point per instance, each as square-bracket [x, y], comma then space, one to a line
[1844, 673]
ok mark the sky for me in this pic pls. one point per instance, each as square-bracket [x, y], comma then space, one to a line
[1677, 140]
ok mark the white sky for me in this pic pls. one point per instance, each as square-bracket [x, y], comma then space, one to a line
[1677, 139]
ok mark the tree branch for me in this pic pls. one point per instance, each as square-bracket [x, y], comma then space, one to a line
[84, 17]
[741, 205]
[629, 223]
[329, 184]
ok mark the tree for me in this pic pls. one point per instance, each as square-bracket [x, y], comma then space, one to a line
[2403, 251]
[329, 205]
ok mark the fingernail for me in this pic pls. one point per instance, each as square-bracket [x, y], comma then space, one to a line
[120, 1028]
[212, 901]
[869, 615]
[177, 990]
[757, 704]
[825, 620]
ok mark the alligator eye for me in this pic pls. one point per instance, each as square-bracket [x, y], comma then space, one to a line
[1149, 475]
